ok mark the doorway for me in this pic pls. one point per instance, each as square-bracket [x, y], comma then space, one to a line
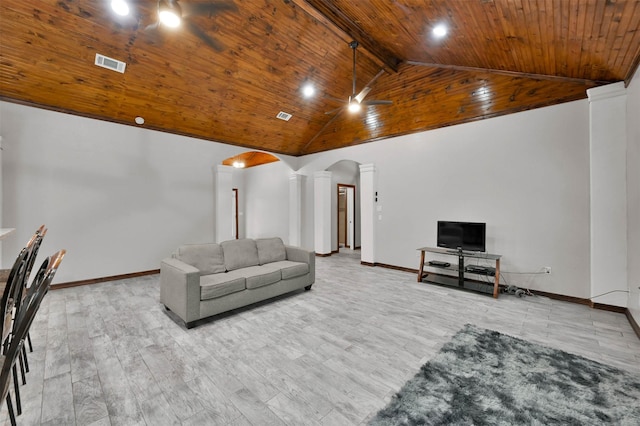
[346, 216]
[234, 213]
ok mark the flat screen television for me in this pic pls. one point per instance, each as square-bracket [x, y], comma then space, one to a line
[468, 236]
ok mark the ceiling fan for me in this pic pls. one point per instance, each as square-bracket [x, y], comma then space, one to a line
[355, 101]
[172, 13]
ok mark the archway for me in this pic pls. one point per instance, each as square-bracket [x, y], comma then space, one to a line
[231, 192]
[345, 205]
[250, 159]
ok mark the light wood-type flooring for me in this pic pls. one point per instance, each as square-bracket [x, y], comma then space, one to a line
[109, 354]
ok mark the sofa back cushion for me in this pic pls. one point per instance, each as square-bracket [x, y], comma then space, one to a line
[240, 253]
[270, 250]
[207, 258]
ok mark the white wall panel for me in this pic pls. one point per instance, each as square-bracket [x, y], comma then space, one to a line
[267, 201]
[608, 173]
[633, 195]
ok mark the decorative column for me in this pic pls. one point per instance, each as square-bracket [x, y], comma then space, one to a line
[295, 209]
[223, 209]
[608, 178]
[322, 212]
[368, 201]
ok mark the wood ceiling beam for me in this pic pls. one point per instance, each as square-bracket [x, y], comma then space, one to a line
[512, 73]
[335, 16]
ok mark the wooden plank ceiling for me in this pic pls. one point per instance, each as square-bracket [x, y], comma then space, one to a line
[499, 57]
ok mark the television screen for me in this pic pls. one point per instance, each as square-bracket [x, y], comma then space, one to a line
[462, 235]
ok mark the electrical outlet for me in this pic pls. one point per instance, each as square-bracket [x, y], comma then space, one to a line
[547, 269]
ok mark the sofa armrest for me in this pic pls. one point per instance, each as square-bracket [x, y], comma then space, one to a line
[180, 288]
[298, 254]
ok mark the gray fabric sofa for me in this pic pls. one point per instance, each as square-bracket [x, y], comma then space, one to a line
[201, 280]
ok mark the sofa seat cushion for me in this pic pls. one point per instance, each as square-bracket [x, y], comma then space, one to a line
[218, 285]
[260, 276]
[270, 250]
[291, 269]
[207, 258]
[240, 253]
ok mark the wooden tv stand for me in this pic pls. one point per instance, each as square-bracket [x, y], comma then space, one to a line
[460, 268]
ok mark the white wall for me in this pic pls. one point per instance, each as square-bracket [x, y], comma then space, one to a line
[118, 198]
[267, 201]
[526, 175]
[633, 195]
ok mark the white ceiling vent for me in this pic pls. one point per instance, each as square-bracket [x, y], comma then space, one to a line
[284, 116]
[109, 63]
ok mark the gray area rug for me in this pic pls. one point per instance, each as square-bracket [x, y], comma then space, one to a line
[482, 377]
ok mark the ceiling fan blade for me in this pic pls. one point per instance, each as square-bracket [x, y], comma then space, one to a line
[207, 9]
[327, 124]
[152, 27]
[365, 91]
[331, 98]
[195, 30]
[334, 110]
[153, 35]
[377, 102]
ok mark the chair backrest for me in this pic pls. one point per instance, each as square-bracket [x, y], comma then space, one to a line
[15, 287]
[34, 246]
[12, 291]
[41, 282]
[24, 318]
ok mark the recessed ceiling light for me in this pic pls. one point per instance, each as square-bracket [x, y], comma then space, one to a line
[139, 120]
[440, 30]
[238, 164]
[120, 7]
[308, 90]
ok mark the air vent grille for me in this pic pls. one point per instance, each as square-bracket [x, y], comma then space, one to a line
[110, 63]
[284, 116]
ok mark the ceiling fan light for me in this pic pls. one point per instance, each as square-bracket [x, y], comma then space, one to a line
[238, 164]
[354, 106]
[169, 18]
[120, 7]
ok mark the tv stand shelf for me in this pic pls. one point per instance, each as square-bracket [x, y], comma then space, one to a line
[460, 268]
